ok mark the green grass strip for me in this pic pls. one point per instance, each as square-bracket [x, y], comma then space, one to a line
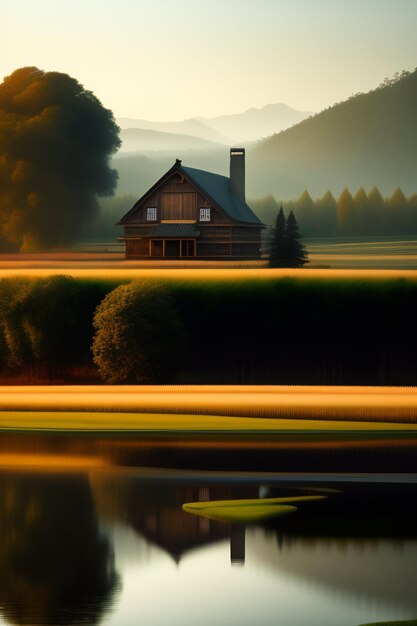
[162, 422]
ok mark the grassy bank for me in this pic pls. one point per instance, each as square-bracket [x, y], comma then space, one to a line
[163, 423]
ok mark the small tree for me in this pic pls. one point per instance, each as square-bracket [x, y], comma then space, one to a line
[139, 335]
[296, 255]
[277, 256]
[345, 213]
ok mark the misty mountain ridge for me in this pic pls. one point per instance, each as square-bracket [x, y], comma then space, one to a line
[255, 124]
[190, 127]
[144, 141]
[251, 125]
[369, 139]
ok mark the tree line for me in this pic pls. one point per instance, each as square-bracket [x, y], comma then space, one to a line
[359, 215]
[275, 331]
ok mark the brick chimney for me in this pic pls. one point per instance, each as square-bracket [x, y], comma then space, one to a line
[237, 172]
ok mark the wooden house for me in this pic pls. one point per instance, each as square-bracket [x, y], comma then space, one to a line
[190, 213]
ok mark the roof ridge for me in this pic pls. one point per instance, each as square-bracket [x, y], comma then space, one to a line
[224, 197]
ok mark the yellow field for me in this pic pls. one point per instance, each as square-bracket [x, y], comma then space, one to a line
[128, 270]
[205, 407]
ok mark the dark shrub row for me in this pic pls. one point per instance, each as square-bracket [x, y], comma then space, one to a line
[275, 331]
[46, 325]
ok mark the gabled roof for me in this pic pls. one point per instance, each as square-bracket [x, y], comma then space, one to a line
[215, 187]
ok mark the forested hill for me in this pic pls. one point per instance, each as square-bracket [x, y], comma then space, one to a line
[369, 139]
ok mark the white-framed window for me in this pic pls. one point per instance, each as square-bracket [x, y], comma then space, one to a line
[151, 213]
[205, 214]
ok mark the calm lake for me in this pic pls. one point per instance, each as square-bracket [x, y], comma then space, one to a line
[114, 546]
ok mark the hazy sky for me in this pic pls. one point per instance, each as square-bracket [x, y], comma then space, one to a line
[171, 59]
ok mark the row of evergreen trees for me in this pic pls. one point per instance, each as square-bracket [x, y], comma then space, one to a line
[350, 215]
[286, 250]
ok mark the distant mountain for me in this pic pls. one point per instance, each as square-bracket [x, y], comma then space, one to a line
[250, 125]
[190, 127]
[255, 124]
[144, 141]
[369, 139]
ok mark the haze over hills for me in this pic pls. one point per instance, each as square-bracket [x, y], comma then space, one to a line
[250, 125]
[255, 124]
[190, 127]
[144, 141]
[369, 139]
[149, 148]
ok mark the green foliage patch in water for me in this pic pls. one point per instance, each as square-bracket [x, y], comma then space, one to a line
[246, 511]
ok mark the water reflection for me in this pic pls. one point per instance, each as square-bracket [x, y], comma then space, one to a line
[55, 566]
[346, 560]
[155, 512]
[369, 571]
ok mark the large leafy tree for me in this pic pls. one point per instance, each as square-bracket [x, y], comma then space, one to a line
[139, 336]
[56, 140]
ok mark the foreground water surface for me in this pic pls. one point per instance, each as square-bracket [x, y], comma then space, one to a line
[114, 546]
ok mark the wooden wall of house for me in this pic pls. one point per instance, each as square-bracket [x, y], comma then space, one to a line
[137, 247]
[214, 240]
[229, 241]
[176, 201]
[140, 215]
[246, 242]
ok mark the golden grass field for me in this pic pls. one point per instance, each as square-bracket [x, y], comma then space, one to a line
[199, 408]
[129, 270]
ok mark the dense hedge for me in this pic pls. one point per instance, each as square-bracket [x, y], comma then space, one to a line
[301, 331]
[288, 330]
[46, 324]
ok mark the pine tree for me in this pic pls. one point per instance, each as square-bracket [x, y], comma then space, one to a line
[376, 212]
[277, 256]
[395, 212]
[296, 255]
[326, 215]
[345, 213]
[304, 209]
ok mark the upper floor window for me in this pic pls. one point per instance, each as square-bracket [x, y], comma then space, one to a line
[205, 214]
[151, 214]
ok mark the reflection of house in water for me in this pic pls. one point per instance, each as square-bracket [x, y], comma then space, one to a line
[156, 513]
